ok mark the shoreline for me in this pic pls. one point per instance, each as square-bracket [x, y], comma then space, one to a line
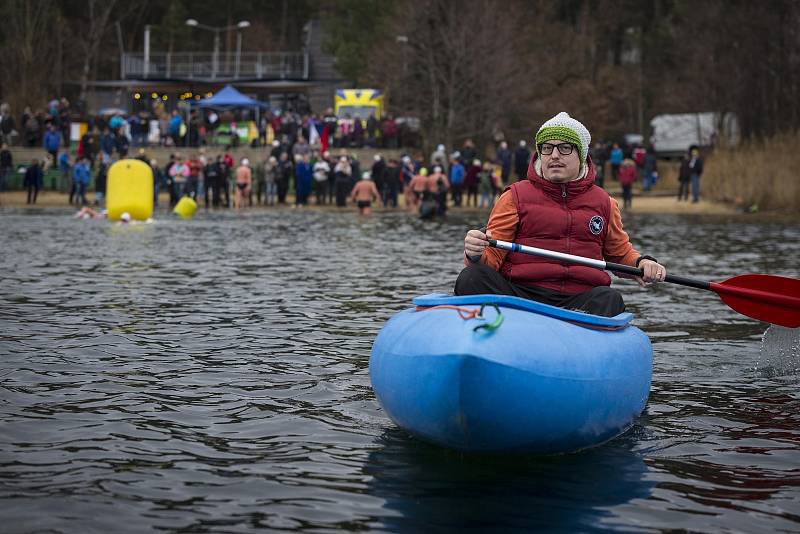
[644, 204]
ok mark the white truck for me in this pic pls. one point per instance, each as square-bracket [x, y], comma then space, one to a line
[673, 134]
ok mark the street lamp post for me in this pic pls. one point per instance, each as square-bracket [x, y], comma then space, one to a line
[146, 50]
[217, 29]
[404, 40]
[240, 26]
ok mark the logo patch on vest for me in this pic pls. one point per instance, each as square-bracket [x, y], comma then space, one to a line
[596, 224]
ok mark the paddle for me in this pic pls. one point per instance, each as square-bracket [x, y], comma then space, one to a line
[769, 298]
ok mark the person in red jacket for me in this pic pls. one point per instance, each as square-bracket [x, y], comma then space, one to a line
[471, 181]
[558, 207]
[627, 177]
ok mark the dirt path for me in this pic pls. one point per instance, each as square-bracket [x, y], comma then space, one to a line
[670, 204]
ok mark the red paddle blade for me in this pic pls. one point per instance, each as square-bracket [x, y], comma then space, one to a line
[769, 298]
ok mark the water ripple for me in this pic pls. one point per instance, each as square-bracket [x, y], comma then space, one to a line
[212, 376]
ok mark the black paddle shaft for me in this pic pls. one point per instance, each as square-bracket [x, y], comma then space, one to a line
[774, 299]
[636, 271]
[597, 264]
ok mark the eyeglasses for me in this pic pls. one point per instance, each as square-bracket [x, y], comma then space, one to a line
[565, 149]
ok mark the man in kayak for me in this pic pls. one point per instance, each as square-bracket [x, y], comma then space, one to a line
[557, 208]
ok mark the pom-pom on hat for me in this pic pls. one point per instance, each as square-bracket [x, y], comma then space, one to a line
[562, 127]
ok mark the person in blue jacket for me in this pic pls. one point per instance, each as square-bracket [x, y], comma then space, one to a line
[34, 180]
[81, 176]
[457, 173]
[52, 142]
[616, 158]
[304, 176]
[175, 127]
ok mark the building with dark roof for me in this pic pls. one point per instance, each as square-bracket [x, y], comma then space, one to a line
[302, 80]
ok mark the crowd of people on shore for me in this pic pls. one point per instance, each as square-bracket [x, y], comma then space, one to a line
[426, 185]
[154, 125]
[310, 176]
[324, 178]
[300, 159]
[631, 164]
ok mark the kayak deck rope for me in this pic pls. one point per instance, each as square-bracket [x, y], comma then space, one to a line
[467, 314]
[464, 313]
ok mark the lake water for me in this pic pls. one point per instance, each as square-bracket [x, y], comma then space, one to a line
[212, 376]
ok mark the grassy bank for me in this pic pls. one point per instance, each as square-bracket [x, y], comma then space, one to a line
[756, 176]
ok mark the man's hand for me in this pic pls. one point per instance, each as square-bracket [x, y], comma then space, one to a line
[653, 272]
[474, 244]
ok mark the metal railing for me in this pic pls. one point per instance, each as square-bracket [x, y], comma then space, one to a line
[210, 66]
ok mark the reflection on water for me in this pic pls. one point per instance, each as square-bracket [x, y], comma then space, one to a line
[433, 489]
[211, 375]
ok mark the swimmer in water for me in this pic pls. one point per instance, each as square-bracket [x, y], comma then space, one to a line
[126, 219]
[88, 213]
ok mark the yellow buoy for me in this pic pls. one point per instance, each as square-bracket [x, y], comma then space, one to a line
[185, 207]
[130, 189]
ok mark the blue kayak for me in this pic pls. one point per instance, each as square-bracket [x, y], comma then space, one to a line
[492, 373]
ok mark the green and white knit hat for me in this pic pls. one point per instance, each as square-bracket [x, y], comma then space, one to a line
[562, 127]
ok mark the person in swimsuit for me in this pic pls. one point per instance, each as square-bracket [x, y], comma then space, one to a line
[418, 186]
[244, 179]
[365, 193]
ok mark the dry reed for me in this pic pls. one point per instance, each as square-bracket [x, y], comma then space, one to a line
[757, 175]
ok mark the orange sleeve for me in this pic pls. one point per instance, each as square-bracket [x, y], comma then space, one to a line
[618, 247]
[503, 223]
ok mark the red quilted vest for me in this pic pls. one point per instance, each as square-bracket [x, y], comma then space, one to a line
[571, 218]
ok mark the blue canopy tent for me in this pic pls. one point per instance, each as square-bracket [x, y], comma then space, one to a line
[229, 97]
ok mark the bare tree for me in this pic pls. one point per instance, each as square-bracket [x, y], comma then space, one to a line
[754, 73]
[27, 56]
[97, 25]
[455, 66]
